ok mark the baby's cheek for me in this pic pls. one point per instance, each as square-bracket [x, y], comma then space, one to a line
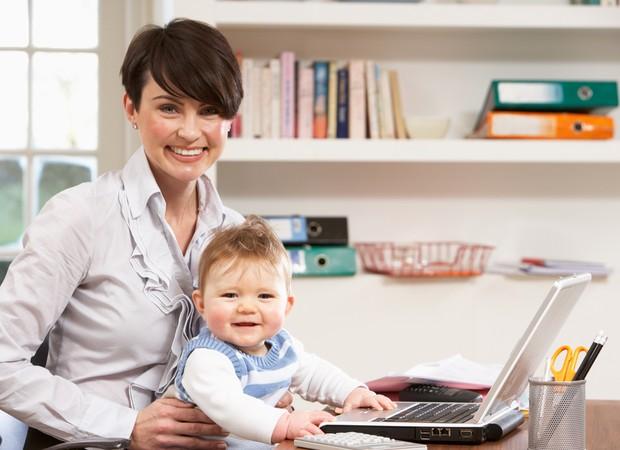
[216, 317]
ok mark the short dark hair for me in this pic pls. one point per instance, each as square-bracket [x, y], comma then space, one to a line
[187, 58]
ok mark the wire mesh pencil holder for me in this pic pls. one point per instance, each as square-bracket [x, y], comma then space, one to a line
[424, 259]
[557, 415]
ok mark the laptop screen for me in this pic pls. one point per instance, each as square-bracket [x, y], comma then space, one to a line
[534, 344]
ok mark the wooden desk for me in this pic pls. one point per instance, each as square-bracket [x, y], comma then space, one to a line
[602, 431]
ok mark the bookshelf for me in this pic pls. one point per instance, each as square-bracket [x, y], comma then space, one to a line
[318, 14]
[476, 41]
[556, 199]
[421, 150]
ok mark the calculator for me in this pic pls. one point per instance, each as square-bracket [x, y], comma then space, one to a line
[354, 441]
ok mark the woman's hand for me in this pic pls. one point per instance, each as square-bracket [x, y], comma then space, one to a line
[361, 397]
[171, 423]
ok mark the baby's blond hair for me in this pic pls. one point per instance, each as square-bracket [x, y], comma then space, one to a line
[252, 240]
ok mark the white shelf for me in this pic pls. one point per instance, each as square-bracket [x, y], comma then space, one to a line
[420, 151]
[323, 14]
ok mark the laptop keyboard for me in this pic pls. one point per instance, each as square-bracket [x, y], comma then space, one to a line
[434, 412]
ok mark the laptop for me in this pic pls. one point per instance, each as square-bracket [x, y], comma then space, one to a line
[498, 414]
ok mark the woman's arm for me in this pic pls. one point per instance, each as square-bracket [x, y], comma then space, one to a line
[33, 296]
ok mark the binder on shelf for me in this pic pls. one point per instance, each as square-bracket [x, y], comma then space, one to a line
[308, 261]
[544, 125]
[549, 95]
[301, 230]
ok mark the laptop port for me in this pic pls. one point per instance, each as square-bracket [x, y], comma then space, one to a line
[467, 434]
[441, 432]
[424, 435]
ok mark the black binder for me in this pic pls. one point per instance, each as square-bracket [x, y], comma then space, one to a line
[310, 230]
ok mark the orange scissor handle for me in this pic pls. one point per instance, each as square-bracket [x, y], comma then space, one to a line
[559, 373]
[566, 371]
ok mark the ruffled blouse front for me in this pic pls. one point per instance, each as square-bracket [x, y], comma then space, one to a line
[102, 264]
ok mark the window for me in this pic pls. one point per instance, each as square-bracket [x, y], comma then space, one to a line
[50, 115]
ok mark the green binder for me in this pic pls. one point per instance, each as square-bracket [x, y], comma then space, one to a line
[312, 261]
[549, 95]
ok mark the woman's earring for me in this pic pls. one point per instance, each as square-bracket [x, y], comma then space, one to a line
[134, 125]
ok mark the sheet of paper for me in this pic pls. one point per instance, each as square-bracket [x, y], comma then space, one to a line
[455, 371]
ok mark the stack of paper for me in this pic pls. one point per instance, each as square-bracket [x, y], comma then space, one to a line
[454, 371]
[553, 267]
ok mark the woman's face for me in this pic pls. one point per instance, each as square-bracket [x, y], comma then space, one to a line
[182, 137]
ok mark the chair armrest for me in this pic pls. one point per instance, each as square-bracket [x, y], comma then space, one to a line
[92, 443]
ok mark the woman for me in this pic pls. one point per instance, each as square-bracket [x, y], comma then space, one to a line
[110, 265]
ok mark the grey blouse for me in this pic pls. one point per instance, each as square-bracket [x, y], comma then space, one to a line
[102, 267]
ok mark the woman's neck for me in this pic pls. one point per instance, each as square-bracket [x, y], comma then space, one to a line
[181, 201]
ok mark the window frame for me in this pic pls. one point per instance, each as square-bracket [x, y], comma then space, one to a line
[112, 141]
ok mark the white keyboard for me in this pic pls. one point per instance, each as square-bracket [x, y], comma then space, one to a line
[354, 441]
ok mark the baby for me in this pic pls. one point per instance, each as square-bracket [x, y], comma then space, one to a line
[243, 361]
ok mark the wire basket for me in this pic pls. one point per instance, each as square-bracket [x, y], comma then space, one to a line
[424, 259]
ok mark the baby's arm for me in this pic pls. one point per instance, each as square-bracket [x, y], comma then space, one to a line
[298, 424]
[362, 397]
[210, 380]
[319, 380]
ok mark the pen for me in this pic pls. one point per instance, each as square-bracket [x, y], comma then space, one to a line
[590, 357]
[580, 375]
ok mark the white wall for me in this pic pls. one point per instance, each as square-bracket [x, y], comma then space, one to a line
[371, 324]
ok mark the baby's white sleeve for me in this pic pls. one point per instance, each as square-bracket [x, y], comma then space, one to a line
[210, 380]
[320, 380]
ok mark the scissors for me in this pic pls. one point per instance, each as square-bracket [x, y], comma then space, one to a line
[566, 372]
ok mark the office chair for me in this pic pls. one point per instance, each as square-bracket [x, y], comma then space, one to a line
[39, 359]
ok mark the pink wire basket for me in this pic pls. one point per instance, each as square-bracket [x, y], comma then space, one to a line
[424, 259]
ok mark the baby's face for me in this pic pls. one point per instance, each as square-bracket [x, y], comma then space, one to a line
[245, 303]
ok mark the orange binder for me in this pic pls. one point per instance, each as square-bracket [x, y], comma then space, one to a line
[544, 125]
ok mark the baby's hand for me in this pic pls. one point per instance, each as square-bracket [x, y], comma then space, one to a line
[361, 397]
[303, 423]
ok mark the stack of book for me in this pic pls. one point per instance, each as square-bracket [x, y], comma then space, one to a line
[547, 109]
[317, 246]
[287, 98]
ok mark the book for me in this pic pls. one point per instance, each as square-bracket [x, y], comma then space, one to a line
[372, 93]
[287, 95]
[235, 125]
[357, 100]
[274, 65]
[265, 99]
[257, 103]
[305, 100]
[549, 95]
[332, 99]
[247, 105]
[544, 125]
[399, 119]
[386, 114]
[321, 74]
[342, 107]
